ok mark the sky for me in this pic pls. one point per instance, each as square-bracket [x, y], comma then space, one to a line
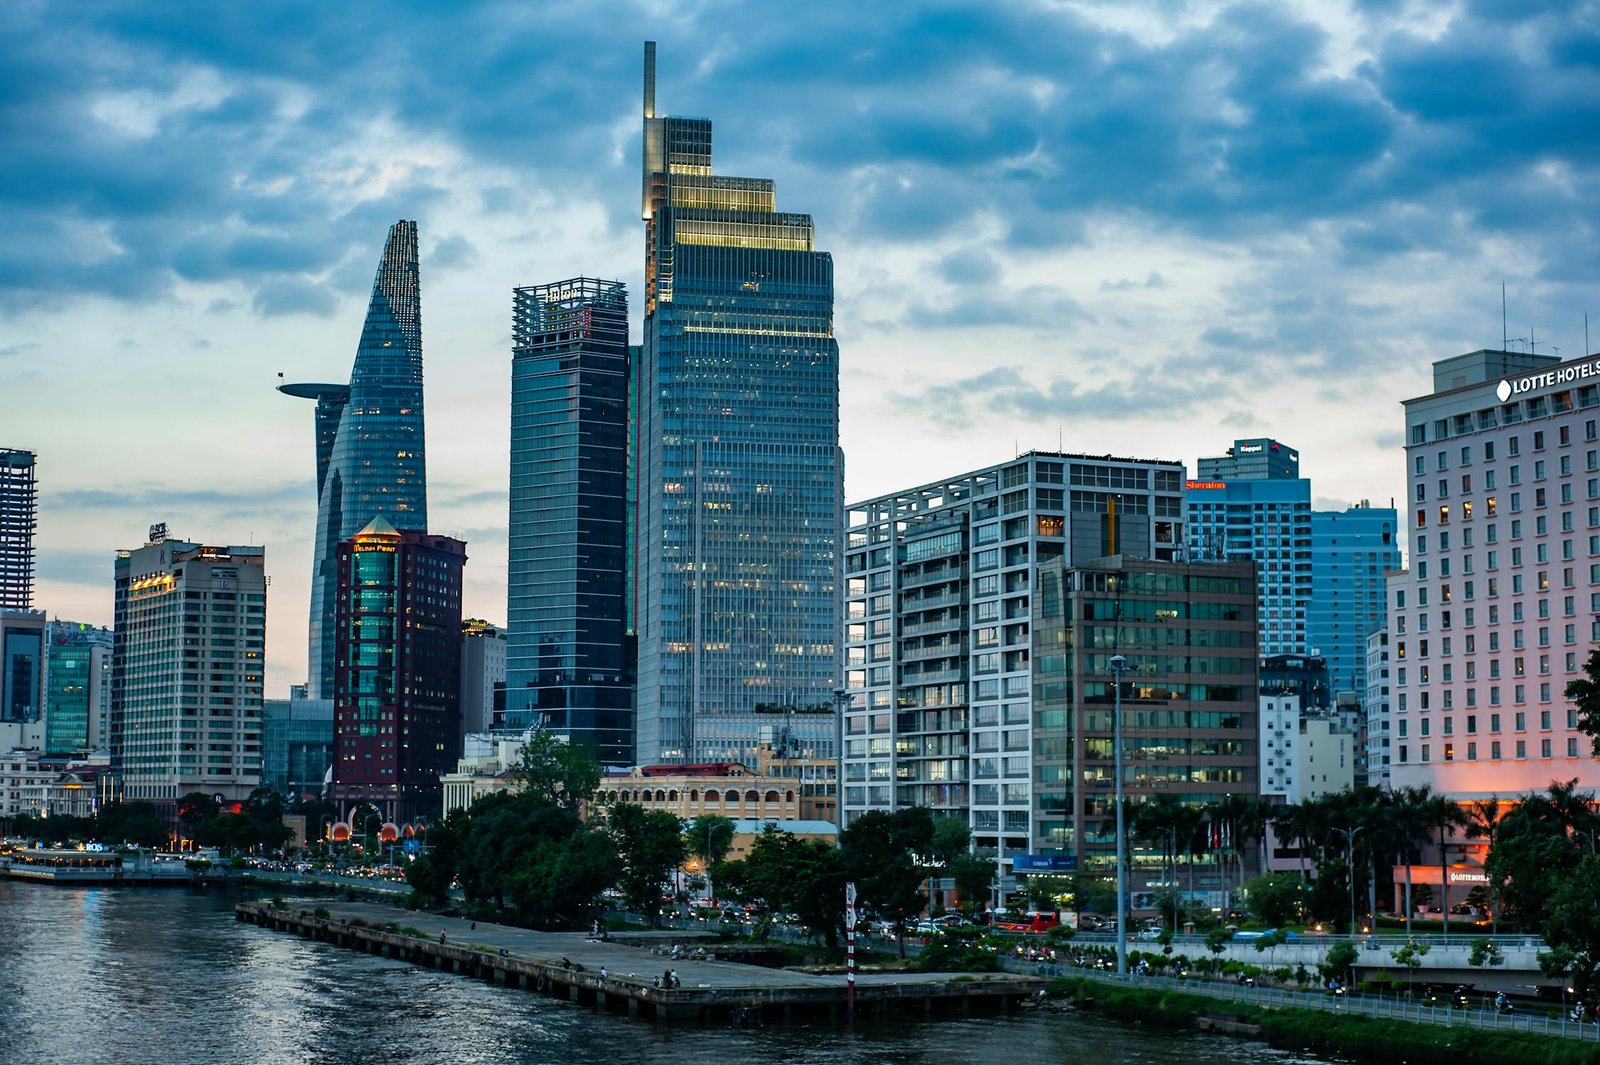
[1138, 228]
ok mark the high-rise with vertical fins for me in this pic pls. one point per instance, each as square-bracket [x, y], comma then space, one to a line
[371, 458]
[739, 470]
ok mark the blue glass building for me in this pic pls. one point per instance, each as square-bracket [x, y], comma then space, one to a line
[739, 468]
[1351, 551]
[371, 459]
[568, 656]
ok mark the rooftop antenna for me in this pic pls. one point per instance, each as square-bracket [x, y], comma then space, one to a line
[1503, 341]
[1586, 349]
[1533, 345]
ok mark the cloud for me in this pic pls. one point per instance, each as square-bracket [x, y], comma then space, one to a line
[294, 296]
[1006, 392]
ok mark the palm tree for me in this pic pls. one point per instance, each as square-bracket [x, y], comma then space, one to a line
[1444, 813]
[1485, 815]
[1408, 823]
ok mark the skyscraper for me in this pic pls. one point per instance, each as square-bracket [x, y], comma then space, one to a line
[1252, 505]
[397, 682]
[1351, 552]
[568, 660]
[941, 662]
[186, 667]
[740, 475]
[18, 518]
[371, 458]
[77, 669]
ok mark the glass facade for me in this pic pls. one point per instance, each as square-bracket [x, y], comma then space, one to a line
[1266, 521]
[397, 676]
[77, 658]
[568, 655]
[740, 474]
[1189, 699]
[18, 518]
[22, 665]
[1351, 552]
[371, 459]
[296, 745]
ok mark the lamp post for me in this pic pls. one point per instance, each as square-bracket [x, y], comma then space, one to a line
[1118, 664]
[1349, 835]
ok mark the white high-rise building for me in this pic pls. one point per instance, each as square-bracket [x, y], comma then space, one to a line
[1499, 608]
[187, 666]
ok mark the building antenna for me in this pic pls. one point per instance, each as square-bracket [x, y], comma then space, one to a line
[1503, 334]
[1533, 345]
[1586, 350]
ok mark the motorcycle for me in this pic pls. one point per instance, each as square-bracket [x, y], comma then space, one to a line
[1502, 1004]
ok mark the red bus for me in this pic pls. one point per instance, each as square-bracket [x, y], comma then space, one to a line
[1035, 921]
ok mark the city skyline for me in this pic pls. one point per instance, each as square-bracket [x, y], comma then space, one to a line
[1157, 235]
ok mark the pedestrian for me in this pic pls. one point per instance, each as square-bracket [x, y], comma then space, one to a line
[675, 981]
[602, 972]
[474, 926]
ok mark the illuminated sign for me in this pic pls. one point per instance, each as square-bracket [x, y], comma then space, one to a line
[1468, 877]
[1560, 375]
[1249, 449]
[1191, 485]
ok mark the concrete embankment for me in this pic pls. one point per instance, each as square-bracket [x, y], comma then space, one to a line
[626, 976]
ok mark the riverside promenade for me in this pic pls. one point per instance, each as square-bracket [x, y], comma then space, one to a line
[620, 974]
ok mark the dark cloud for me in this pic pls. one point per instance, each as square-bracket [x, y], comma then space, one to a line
[150, 495]
[152, 144]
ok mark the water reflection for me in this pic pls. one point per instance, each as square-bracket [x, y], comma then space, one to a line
[96, 975]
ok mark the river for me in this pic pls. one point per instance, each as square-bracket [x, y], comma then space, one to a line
[101, 976]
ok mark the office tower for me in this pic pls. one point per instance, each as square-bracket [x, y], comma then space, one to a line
[740, 473]
[1351, 552]
[371, 458]
[567, 650]
[938, 607]
[19, 506]
[1497, 612]
[1188, 632]
[186, 665]
[77, 669]
[483, 676]
[1252, 505]
[21, 665]
[296, 743]
[397, 681]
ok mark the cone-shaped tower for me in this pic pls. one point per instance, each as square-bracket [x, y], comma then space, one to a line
[375, 462]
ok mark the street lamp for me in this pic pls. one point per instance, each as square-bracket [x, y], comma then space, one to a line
[1349, 835]
[1118, 664]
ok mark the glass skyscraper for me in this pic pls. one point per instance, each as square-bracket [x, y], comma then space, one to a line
[371, 459]
[397, 685]
[739, 467]
[568, 660]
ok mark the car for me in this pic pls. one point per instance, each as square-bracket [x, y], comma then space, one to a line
[1148, 934]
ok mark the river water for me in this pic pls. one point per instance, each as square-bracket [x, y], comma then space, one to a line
[128, 976]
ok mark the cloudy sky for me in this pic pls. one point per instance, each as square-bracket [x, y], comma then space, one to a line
[1138, 228]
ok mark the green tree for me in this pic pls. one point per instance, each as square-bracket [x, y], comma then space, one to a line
[787, 874]
[1409, 954]
[553, 771]
[137, 823]
[195, 807]
[1584, 693]
[879, 852]
[1484, 952]
[709, 837]
[1340, 962]
[1274, 898]
[974, 877]
[1572, 929]
[650, 845]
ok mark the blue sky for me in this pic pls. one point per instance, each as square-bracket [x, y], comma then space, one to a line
[1139, 228]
